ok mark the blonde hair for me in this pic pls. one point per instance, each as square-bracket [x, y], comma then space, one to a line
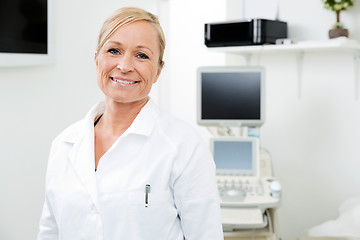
[125, 16]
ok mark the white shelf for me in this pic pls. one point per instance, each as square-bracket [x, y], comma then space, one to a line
[341, 44]
[338, 44]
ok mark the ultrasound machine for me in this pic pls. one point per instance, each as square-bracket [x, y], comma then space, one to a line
[231, 104]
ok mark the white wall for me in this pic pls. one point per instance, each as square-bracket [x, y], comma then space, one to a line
[313, 140]
[38, 102]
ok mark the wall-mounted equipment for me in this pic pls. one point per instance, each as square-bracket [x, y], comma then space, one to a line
[26, 32]
[245, 32]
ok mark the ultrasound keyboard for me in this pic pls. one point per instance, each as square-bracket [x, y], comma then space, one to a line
[245, 192]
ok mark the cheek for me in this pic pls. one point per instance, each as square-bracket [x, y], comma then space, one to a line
[156, 74]
[103, 69]
[150, 71]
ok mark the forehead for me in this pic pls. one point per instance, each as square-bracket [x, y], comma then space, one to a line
[139, 32]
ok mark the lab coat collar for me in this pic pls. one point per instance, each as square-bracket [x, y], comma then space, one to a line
[144, 123]
[76, 132]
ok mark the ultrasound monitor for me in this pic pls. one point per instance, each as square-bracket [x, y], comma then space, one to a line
[236, 156]
[230, 96]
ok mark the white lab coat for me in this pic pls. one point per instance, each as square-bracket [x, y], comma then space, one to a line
[157, 149]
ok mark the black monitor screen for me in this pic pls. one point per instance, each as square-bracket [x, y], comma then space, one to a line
[23, 26]
[230, 96]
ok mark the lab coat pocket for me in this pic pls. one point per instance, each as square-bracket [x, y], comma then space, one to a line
[158, 217]
[153, 199]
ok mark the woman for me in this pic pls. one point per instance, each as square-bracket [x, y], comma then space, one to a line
[128, 170]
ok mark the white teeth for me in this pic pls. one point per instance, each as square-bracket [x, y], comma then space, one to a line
[123, 81]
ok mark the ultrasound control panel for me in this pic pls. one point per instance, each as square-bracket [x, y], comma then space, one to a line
[239, 181]
[243, 192]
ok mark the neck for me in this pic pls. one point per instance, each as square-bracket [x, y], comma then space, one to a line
[119, 116]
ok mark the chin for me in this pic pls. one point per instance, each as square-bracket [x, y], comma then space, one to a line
[123, 99]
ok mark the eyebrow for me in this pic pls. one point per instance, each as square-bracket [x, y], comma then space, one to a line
[137, 47]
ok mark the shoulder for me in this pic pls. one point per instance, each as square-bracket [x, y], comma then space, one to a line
[178, 132]
[193, 158]
[173, 126]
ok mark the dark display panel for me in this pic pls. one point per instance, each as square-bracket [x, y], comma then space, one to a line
[24, 26]
[231, 96]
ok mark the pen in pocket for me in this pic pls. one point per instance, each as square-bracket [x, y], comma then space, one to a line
[147, 191]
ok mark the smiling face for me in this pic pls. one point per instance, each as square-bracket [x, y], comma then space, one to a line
[128, 63]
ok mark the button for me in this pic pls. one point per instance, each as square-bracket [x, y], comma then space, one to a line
[228, 184]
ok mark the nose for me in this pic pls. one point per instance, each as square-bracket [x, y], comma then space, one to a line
[125, 63]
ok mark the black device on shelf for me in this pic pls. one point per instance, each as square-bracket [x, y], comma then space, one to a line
[244, 32]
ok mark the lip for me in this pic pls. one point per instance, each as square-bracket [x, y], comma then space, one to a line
[123, 81]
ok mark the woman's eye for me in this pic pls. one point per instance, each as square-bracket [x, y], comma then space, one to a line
[142, 56]
[113, 51]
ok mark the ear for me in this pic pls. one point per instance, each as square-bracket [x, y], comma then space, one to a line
[95, 58]
[158, 72]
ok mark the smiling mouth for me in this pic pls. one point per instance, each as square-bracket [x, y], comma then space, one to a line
[123, 81]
